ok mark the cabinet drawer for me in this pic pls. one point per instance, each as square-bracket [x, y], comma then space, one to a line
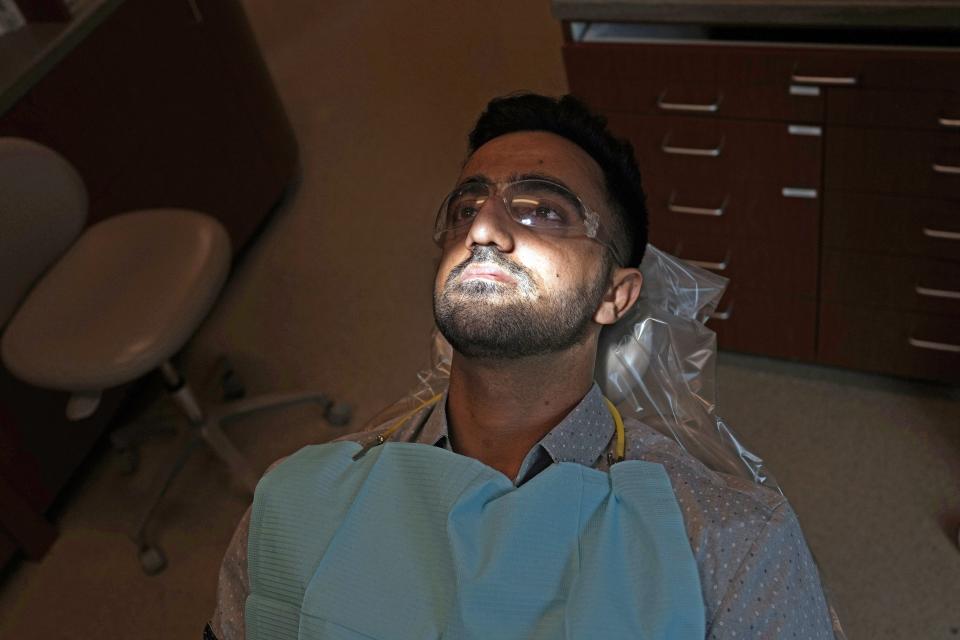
[890, 224]
[933, 110]
[688, 153]
[722, 81]
[848, 69]
[907, 283]
[893, 161]
[900, 343]
[782, 268]
[738, 208]
[782, 326]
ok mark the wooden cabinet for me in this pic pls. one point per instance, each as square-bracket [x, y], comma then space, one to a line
[823, 180]
[165, 103]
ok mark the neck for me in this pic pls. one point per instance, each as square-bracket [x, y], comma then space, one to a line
[497, 410]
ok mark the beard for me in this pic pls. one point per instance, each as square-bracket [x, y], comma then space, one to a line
[495, 320]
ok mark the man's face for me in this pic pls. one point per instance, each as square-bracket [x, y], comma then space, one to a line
[507, 291]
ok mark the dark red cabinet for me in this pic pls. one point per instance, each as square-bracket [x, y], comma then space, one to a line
[823, 180]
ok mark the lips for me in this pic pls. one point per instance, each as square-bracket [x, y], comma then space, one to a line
[486, 272]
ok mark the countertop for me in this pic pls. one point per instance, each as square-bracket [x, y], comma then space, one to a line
[913, 14]
[28, 53]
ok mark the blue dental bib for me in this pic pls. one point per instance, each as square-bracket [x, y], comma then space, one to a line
[413, 541]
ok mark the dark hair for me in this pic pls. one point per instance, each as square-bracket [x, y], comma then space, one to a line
[572, 119]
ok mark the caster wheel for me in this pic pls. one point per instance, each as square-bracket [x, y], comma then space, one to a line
[339, 414]
[152, 560]
[129, 460]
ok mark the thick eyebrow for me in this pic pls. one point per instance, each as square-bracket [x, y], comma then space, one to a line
[513, 177]
[477, 177]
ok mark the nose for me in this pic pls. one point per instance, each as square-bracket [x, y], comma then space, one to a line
[491, 227]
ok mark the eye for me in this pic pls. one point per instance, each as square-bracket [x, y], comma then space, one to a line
[547, 213]
[538, 212]
[463, 209]
[464, 212]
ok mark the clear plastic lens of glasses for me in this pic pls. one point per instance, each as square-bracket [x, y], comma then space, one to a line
[544, 205]
[533, 203]
[462, 206]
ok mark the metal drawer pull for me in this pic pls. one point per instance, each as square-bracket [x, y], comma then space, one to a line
[934, 346]
[697, 211]
[804, 130]
[942, 235]
[723, 315]
[948, 122]
[690, 151]
[833, 81]
[712, 266]
[682, 106]
[795, 192]
[804, 90]
[951, 169]
[937, 293]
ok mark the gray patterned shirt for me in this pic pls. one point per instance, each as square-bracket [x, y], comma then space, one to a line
[756, 572]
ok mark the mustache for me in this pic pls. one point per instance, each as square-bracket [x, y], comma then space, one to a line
[493, 256]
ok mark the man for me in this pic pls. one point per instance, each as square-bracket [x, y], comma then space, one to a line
[540, 529]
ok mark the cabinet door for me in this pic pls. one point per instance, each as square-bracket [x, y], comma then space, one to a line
[159, 107]
[880, 68]
[906, 283]
[892, 224]
[887, 341]
[683, 153]
[894, 161]
[693, 79]
[777, 267]
[740, 208]
[900, 108]
[779, 325]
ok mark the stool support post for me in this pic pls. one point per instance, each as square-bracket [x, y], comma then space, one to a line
[182, 394]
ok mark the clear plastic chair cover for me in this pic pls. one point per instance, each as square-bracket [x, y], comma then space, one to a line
[657, 364]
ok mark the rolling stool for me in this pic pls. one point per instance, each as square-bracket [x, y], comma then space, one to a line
[112, 304]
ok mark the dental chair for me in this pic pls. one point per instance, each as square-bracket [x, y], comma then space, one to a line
[657, 365]
[85, 310]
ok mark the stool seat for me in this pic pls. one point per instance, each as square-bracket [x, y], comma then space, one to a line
[124, 298]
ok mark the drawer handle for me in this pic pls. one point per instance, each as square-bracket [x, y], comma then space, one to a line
[804, 130]
[949, 122]
[666, 147]
[797, 192]
[723, 315]
[934, 346]
[712, 266]
[833, 81]
[713, 107]
[950, 169]
[942, 235]
[697, 211]
[937, 293]
[801, 90]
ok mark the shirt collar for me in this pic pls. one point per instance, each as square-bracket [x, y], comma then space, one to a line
[584, 434]
[581, 437]
[434, 430]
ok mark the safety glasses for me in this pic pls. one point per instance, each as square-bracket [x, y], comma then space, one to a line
[540, 205]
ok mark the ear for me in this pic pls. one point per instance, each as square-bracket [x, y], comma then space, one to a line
[621, 294]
